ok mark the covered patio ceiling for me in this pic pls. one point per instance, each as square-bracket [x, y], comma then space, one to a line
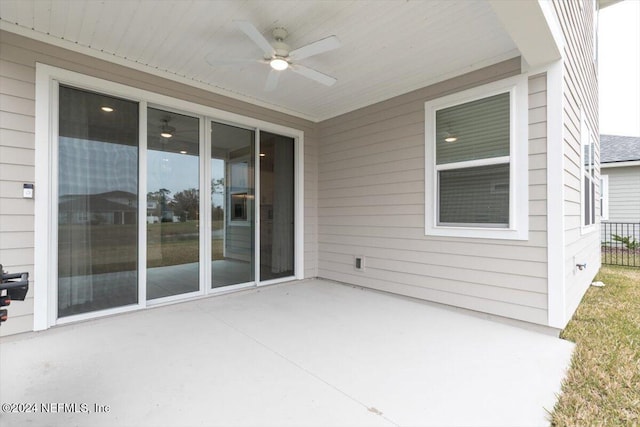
[298, 354]
[389, 47]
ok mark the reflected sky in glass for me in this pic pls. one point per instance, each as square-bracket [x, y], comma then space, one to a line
[102, 159]
[94, 167]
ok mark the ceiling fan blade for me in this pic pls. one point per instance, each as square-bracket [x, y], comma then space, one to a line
[272, 81]
[314, 75]
[315, 48]
[252, 32]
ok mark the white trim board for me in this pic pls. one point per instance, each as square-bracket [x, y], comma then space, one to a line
[556, 289]
[619, 164]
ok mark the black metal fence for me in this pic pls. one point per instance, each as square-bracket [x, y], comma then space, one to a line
[620, 243]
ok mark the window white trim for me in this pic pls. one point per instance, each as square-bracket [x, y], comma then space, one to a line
[45, 270]
[474, 163]
[604, 197]
[587, 140]
[518, 178]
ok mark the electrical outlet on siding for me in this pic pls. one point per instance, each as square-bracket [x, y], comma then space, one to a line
[358, 262]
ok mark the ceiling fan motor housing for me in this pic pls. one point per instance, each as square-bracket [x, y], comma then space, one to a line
[280, 48]
[279, 34]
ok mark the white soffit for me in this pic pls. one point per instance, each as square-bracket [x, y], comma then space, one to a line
[388, 48]
[533, 27]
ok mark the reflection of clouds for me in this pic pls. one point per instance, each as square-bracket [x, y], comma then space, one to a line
[173, 171]
[217, 199]
[217, 169]
[217, 173]
[165, 166]
[92, 167]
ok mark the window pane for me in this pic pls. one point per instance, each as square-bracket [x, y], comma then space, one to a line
[475, 196]
[593, 202]
[97, 202]
[589, 201]
[232, 205]
[592, 156]
[586, 151]
[585, 195]
[480, 129]
[173, 205]
[276, 206]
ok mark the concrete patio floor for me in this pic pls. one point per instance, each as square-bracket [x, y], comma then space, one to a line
[298, 354]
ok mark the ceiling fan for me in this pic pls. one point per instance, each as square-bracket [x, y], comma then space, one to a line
[280, 56]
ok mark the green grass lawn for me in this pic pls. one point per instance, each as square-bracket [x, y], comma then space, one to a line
[106, 248]
[602, 386]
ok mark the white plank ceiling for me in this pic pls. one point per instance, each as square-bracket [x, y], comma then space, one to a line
[389, 47]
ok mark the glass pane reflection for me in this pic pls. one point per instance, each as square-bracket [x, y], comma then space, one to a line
[276, 206]
[97, 202]
[173, 206]
[232, 205]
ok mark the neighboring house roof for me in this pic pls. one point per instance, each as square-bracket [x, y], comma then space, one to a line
[615, 148]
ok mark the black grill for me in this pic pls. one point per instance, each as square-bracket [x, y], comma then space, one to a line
[13, 287]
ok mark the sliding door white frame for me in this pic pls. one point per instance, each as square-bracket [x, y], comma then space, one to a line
[47, 80]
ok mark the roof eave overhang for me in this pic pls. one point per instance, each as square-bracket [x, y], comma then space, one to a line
[606, 3]
[620, 164]
[534, 28]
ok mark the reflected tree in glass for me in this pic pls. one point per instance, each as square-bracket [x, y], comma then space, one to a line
[97, 202]
[173, 206]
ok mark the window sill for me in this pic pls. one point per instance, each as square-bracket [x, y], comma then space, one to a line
[478, 232]
[588, 229]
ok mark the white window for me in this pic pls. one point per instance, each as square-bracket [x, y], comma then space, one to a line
[588, 174]
[476, 162]
[604, 197]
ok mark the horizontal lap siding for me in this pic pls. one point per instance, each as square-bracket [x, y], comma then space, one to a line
[580, 95]
[624, 193]
[17, 118]
[371, 200]
[18, 56]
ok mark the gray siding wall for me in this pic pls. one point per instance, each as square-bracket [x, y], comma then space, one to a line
[580, 94]
[624, 193]
[17, 111]
[18, 56]
[372, 201]
[238, 242]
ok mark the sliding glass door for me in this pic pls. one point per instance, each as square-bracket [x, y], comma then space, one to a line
[234, 211]
[97, 202]
[116, 227]
[232, 205]
[277, 206]
[173, 204]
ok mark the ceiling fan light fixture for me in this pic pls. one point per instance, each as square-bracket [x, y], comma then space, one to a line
[167, 131]
[279, 64]
[450, 136]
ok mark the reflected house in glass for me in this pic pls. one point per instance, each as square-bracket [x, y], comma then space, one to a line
[115, 207]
